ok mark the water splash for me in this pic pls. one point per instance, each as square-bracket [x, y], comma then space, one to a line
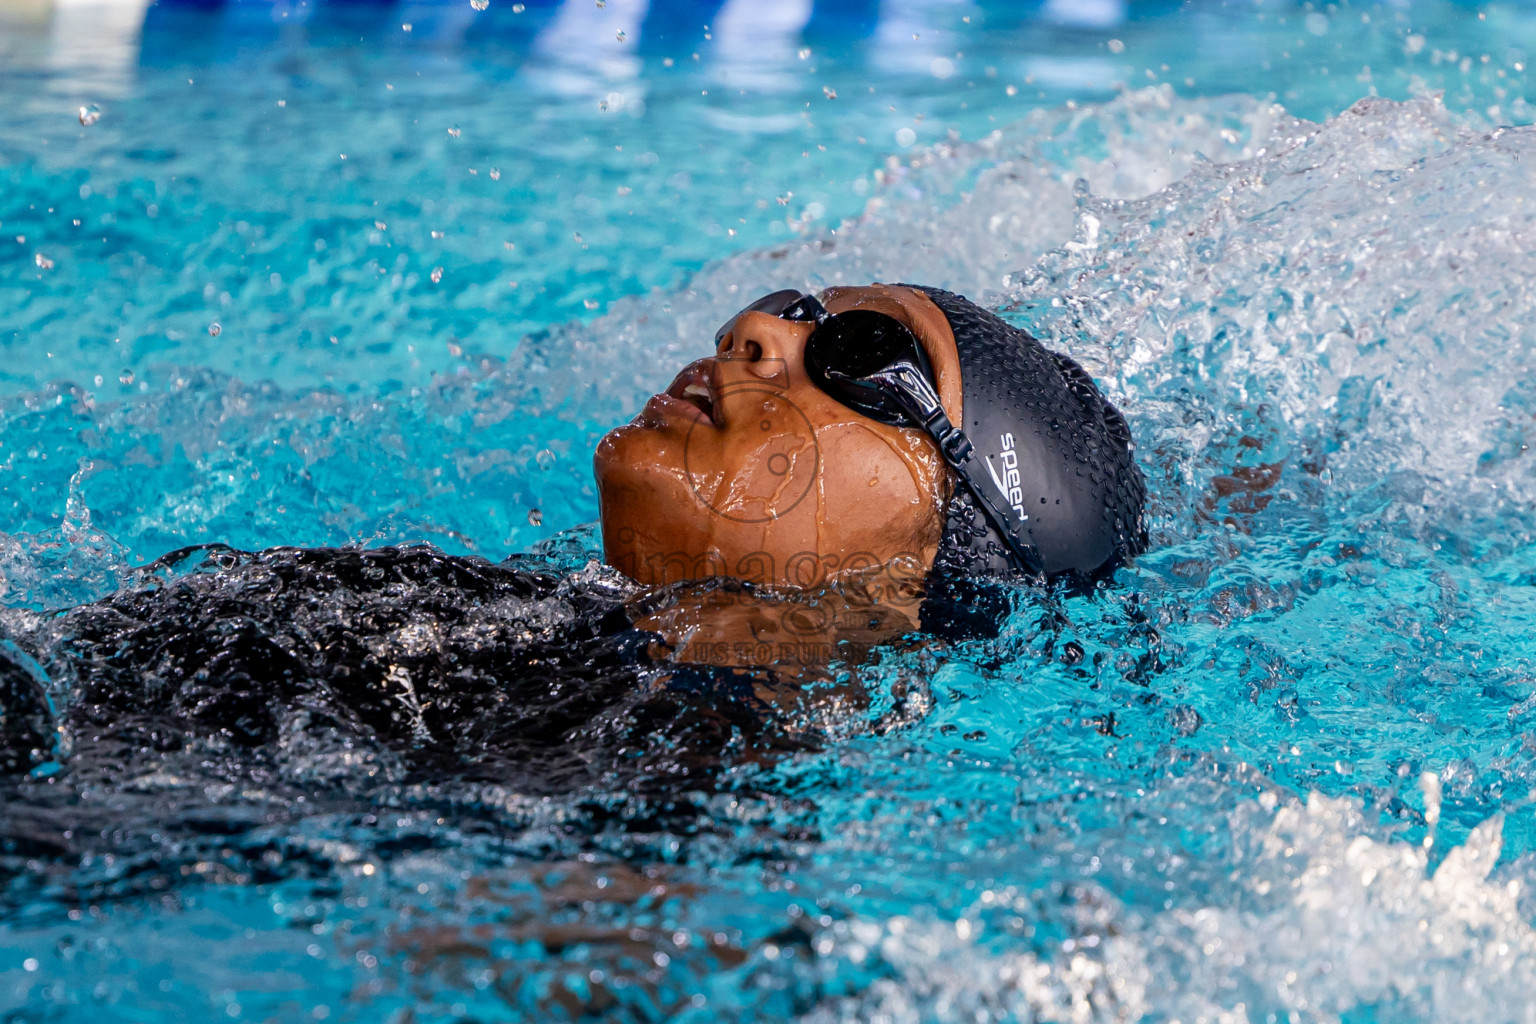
[189, 455]
[1321, 916]
[1356, 310]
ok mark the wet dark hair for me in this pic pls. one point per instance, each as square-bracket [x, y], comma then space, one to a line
[355, 683]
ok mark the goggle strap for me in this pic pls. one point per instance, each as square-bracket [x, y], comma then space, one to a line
[912, 391]
[957, 448]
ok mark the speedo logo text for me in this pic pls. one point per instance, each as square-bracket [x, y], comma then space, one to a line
[1008, 481]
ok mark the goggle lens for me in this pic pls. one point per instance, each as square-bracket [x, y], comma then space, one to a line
[844, 349]
[847, 348]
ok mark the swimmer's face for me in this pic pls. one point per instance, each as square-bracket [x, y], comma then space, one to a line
[743, 467]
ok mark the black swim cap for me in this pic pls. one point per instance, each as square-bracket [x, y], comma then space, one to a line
[1057, 452]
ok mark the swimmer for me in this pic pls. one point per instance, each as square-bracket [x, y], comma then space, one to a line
[872, 447]
[877, 426]
[802, 493]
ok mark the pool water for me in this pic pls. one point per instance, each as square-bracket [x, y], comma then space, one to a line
[324, 275]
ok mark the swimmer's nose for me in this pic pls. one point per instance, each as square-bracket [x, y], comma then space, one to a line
[765, 344]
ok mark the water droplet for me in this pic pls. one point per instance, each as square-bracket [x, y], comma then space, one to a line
[43, 262]
[126, 377]
[479, 5]
[804, 53]
[437, 274]
[545, 458]
[589, 303]
[619, 35]
[90, 114]
[454, 131]
[518, 8]
[905, 136]
[381, 225]
[1012, 90]
[535, 517]
[829, 92]
[495, 174]
[215, 329]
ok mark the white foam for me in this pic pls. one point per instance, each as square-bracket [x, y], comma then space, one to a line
[1368, 279]
[1320, 915]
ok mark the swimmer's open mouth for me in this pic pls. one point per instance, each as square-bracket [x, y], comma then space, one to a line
[695, 385]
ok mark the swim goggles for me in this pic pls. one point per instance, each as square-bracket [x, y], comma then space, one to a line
[874, 364]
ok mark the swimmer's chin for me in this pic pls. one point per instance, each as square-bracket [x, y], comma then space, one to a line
[611, 457]
[642, 461]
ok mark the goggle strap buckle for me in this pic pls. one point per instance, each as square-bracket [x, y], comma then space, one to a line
[953, 443]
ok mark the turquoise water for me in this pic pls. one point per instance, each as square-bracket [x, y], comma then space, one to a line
[1281, 771]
